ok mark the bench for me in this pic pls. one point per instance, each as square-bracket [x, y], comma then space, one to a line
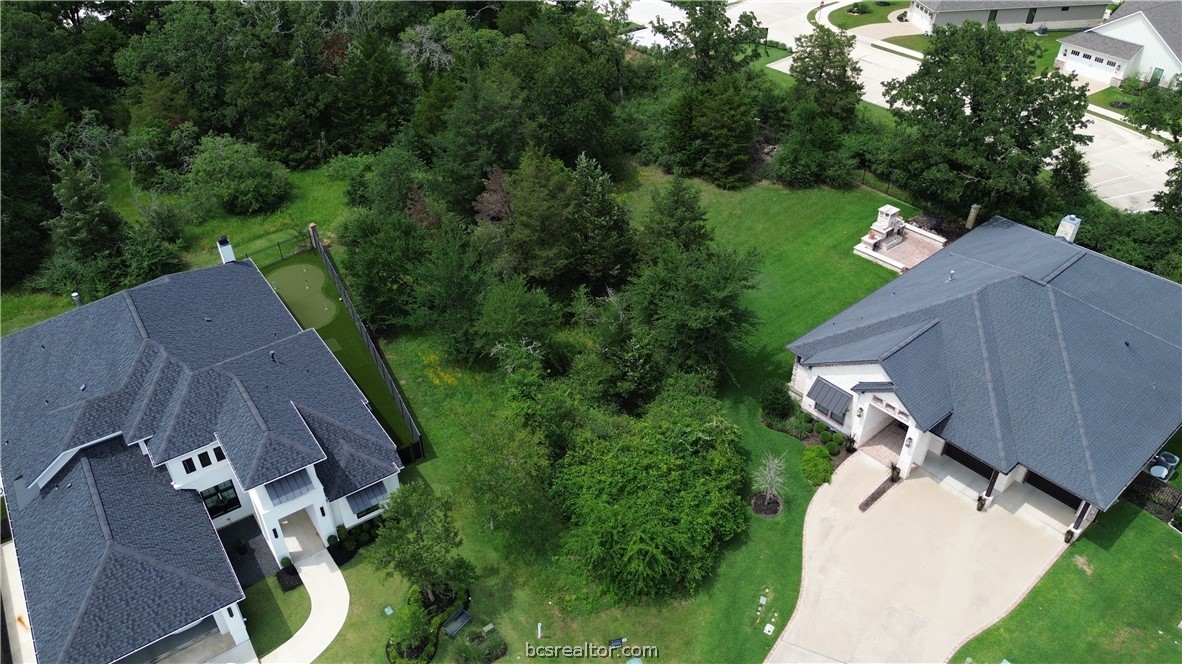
[456, 622]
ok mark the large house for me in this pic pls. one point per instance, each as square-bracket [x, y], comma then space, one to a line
[1008, 14]
[1023, 356]
[1143, 38]
[137, 425]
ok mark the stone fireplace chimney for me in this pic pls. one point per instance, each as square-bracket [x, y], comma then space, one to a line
[226, 250]
[1068, 227]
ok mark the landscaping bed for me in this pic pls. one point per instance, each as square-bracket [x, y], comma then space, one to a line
[864, 13]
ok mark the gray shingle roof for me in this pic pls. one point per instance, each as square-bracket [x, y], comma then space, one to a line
[1164, 15]
[374, 494]
[175, 363]
[1041, 353]
[112, 558]
[1098, 43]
[978, 5]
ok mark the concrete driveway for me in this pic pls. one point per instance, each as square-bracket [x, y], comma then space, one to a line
[914, 577]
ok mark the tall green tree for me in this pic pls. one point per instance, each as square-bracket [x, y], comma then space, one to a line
[448, 283]
[601, 220]
[1159, 108]
[982, 122]
[676, 219]
[708, 43]
[419, 541]
[507, 469]
[381, 255]
[373, 98]
[710, 130]
[827, 74]
[541, 240]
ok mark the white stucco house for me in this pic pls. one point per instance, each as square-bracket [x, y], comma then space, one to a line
[1007, 14]
[136, 426]
[1019, 355]
[1142, 38]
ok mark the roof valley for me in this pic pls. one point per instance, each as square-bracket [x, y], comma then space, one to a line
[1077, 411]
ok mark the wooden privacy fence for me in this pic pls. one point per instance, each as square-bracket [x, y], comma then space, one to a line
[414, 451]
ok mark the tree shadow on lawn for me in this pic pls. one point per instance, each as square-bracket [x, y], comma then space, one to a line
[272, 628]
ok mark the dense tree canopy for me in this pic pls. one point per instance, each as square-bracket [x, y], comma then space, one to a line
[827, 74]
[983, 122]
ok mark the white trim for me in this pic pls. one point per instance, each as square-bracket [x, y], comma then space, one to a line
[62, 459]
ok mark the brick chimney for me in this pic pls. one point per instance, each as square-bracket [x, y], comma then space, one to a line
[1068, 227]
[226, 250]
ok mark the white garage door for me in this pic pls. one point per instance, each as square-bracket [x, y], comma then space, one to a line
[1092, 69]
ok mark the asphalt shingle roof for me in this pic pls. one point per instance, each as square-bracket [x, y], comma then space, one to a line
[112, 558]
[176, 363]
[1164, 15]
[1098, 43]
[1037, 352]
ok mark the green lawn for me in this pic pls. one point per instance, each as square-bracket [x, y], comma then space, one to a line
[1112, 597]
[809, 274]
[1049, 42]
[367, 625]
[339, 332]
[20, 309]
[273, 616]
[918, 43]
[1105, 97]
[314, 198]
[875, 14]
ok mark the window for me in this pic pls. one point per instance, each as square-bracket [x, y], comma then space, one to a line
[369, 510]
[204, 458]
[219, 454]
[1030, 15]
[992, 16]
[1111, 63]
[190, 467]
[221, 499]
[1065, 9]
[1075, 52]
[1087, 56]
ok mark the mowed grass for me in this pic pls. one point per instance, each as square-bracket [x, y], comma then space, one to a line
[1105, 97]
[1045, 61]
[273, 616]
[1112, 597]
[20, 309]
[809, 273]
[340, 334]
[367, 626]
[844, 20]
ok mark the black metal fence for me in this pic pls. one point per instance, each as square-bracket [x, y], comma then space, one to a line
[280, 250]
[1154, 496]
[413, 451]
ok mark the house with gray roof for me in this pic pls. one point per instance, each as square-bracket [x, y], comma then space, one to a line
[1142, 39]
[1023, 356]
[1007, 14]
[134, 427]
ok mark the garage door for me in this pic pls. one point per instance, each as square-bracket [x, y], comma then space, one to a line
[1093, 70]
[968, 461]
[1053, 490]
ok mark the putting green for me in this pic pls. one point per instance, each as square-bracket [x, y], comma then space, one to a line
[302, 289]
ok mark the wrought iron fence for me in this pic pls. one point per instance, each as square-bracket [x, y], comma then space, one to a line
[1159, 498]
[413, 451]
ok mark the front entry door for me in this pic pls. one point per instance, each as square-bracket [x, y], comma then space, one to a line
[1156, 77]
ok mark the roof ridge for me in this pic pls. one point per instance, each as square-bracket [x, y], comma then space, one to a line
[1001, 453]
[135, 313]
[166, 435]
[350, 429]
[102, 563]
[1079, 422]
[1113, 316]
[160, 564]
[924, 327]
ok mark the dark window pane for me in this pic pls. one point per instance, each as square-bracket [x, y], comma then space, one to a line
[219, 454]
[204, 457]
[190, 467]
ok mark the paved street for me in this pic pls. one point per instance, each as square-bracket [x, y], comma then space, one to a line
[1124, 171]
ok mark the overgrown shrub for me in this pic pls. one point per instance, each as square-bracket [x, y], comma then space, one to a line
[820, 427]
[237, 177]
[774, 401]
[410, 627]
[815, 465]
[833, 447]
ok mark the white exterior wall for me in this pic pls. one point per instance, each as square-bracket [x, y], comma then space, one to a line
[342, 514]
[1137, 29]
[918, 16]
[845, 376]
[1096, 70]
[1077, 17]
[230, 621]
[1016, 476]
[205, 478]
[269, 515]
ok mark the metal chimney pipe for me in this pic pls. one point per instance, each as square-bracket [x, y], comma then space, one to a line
[77, 298]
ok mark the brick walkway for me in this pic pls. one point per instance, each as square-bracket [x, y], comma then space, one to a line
[886, 445]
